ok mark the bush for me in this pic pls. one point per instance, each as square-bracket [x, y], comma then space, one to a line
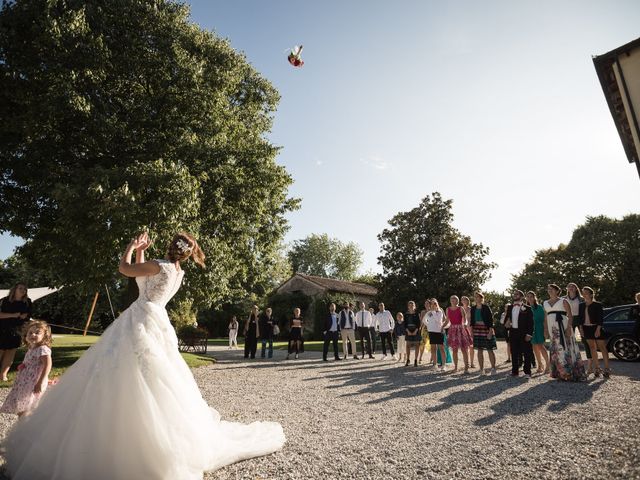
[183, 315]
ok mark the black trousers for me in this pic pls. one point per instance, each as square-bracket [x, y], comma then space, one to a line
[386, 337]
[328, 338]
[520, 347]
[372, 331]
[365, 334]
[250, 346]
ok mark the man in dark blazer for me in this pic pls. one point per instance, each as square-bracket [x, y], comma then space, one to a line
[519, 319]
[331, 330]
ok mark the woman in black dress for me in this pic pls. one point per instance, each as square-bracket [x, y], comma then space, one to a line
[413, 337]
[15, 311]
[295, 333]
[251, 333]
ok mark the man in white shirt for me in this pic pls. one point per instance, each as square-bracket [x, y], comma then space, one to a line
[384, 324]
[364, 321]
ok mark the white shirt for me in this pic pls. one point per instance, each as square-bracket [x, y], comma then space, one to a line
[363, 318]
[334, 322]
[515, 313]
[434, 320]
[384, 321]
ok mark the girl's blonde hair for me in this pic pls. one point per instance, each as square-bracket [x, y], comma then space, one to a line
[38, 325]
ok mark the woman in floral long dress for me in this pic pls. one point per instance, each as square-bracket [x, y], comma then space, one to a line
[565, 355]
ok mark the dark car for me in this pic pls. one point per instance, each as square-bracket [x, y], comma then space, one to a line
[620, 330]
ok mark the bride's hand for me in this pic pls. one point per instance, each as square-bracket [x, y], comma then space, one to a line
[146, 242]
[141, 242]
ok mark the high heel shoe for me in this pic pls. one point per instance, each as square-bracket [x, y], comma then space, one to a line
[597, 373]
[606, 373]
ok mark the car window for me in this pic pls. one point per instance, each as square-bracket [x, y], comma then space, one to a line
[618, 316]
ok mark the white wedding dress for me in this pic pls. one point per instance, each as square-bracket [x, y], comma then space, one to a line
[130, 409]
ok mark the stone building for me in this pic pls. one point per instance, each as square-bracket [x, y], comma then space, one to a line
[313, 286]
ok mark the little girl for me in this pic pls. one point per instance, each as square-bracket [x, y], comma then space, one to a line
[33, 372]
[400, 332]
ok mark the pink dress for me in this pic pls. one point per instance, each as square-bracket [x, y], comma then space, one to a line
[21, 397]
[459, 336]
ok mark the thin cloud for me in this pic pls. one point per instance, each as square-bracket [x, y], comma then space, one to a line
[375, 162]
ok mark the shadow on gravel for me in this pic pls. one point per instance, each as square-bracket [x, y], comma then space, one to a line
[555, 395]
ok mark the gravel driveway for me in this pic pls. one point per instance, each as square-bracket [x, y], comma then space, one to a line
[376, 419]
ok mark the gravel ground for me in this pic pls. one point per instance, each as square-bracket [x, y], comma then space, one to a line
[374, 419]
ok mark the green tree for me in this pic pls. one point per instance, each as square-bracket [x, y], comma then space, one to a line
[120, 116]
[424, 255]
[602, 253]
[325, 257]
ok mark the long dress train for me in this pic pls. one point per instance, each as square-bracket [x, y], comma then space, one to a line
[130, 408]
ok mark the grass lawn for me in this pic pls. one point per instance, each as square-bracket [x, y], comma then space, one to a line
[309, 345]
[66, 349]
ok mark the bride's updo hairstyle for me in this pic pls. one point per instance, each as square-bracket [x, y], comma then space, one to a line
[184, 246]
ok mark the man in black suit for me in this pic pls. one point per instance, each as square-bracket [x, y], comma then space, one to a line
[519, 319]
[331, 329]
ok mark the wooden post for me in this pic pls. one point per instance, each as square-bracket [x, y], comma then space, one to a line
[86, 327]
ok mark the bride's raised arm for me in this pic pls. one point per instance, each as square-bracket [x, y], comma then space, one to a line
[140, 268]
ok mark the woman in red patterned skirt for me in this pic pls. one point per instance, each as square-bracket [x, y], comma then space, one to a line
[459, 337]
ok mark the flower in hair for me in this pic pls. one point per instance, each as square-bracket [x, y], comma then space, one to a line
[183, 246]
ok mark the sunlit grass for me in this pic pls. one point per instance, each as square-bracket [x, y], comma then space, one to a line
[66, 349]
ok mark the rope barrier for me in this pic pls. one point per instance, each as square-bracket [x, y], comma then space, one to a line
[72, 328]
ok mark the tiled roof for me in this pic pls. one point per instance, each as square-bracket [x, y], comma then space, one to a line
[341, 285]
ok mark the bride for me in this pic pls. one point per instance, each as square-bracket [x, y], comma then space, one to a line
[130, 408]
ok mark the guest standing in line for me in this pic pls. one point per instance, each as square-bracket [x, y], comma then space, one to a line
[295, 333]
[364, 322]
[564, 352]
[251, 333]
[484, 338]
[442, 361]
[400, 331]
[331, 331]
[538, 341]
[436, 321]
[15, 311]
[591, 317]
[424, 332]
[384, 324]
[372, 330]
[519, 318]
[266, 332]
[458, 338]
[507, 332]
[575, 299]
[233, 332]
[347, 331]
[635, 315]
[412, 325]
[466, 308]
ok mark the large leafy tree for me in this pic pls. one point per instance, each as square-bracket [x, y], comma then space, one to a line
[121, 115]
[423, 255]
[320, 255]
[602, 253]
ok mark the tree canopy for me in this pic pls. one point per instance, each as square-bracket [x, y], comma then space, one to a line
[320, 255]
[118, 116]
[602, 254]
[424, 255]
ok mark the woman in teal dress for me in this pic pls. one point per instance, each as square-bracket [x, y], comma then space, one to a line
[537, 341]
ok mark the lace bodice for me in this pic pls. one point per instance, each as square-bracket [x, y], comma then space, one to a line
[161, 287]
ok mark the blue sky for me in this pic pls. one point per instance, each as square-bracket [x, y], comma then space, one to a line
[494, 104]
